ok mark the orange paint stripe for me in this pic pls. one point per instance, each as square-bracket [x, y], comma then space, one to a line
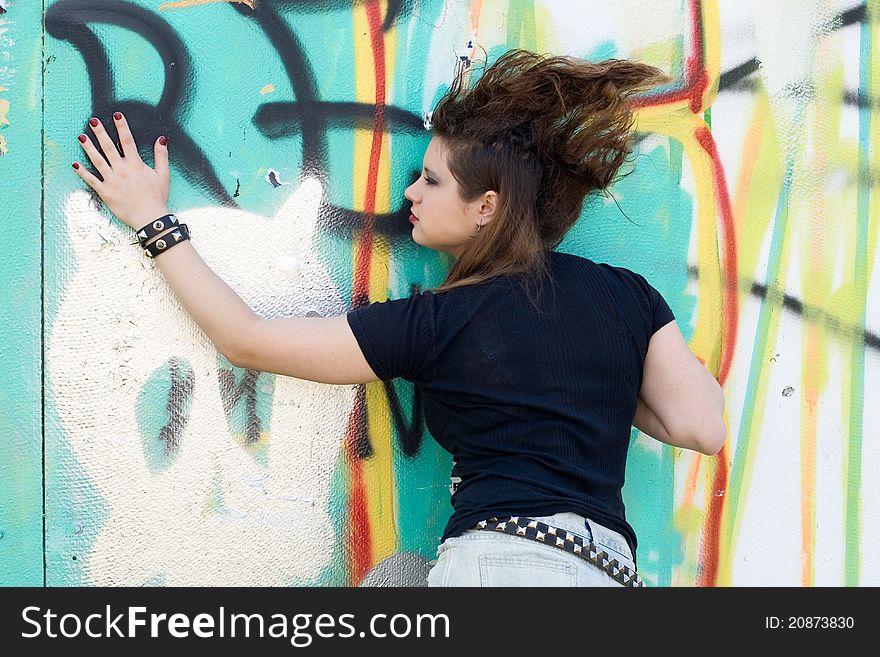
[808, 458]
[476, 8]
[691, 482]
[751, 151]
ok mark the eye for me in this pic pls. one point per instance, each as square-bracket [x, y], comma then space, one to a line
[430, 181]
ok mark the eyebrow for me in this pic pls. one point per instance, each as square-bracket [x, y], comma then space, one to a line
[429, 172]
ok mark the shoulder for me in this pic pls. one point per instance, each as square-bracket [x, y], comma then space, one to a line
[624, 275]
[418, 300]
[623, 282]
[560, 261]
[614, 274]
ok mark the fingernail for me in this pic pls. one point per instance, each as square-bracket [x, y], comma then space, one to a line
[75, 166]
[82, 138]
[163, 140]
[93, 122]
[117, 115]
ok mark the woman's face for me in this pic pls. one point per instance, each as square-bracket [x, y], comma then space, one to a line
[441, 220]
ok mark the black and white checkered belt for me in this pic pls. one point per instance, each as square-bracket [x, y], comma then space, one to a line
[564, 540]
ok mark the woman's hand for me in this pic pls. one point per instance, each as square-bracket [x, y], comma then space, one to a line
[132, 191]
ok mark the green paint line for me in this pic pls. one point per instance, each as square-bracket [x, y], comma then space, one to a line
[671, 541]
[853, 460]
[521, 25]
[765, 333]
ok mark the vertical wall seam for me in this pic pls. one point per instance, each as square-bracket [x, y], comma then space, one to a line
[42, 266]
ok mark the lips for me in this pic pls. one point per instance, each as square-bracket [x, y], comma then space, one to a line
[413, 218]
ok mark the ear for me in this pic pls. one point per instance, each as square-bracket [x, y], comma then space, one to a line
[488, 206]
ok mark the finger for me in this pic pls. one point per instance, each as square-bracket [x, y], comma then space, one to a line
[160, 156]
[107, 145]
[129, 147]
[89, 179]
[96, 158]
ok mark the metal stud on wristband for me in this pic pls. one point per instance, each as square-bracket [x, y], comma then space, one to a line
[167, 241]
[155, 227]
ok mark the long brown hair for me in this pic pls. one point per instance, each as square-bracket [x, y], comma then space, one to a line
[543, 132]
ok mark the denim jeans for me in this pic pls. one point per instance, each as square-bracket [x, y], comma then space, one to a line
[488, 558]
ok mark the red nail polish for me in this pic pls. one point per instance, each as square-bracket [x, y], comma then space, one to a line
[117, 115]
[163, 140]
[82, 138]
[93, 122]
[75, 166]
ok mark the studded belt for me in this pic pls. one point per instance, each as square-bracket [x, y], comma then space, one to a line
[564, 540]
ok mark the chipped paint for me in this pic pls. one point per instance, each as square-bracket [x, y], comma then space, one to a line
[274, 178]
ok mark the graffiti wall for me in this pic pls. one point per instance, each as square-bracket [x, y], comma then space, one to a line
[134, 454]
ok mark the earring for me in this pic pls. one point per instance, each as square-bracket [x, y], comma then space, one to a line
[478, 227]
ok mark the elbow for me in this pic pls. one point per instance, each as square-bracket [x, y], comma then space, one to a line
[712, 442]
[234, 358]
[712, 445]
[712, 432]
[704, 441]
[236, 351]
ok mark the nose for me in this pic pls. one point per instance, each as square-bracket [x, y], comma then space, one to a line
[410, 192]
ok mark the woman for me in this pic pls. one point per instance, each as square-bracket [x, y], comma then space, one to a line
[533, 364]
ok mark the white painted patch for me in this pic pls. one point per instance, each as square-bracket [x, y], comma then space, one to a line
[216, 515]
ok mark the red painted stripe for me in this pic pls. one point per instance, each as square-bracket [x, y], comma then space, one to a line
[696, 64]
[360, 538]
[696, 78]
[362, 267]
[731, 308]
[711, 537]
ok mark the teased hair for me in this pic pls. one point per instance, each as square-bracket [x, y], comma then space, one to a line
[543, 132]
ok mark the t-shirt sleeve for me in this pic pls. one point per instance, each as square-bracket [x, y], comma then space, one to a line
[653, 308]
[397, 336]
[661, 313]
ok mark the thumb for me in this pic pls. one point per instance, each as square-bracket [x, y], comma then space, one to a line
[160, 156]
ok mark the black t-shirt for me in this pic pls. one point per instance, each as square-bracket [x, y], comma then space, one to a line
[536, 408]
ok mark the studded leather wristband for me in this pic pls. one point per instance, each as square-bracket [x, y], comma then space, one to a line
[181, 234]
[155, 227]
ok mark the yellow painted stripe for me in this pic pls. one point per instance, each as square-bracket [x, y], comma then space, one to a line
[377, 470]
[676, 121]
[705, 340]
[711, 50]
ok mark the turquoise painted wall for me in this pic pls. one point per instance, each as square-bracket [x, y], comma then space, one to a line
[21, 317]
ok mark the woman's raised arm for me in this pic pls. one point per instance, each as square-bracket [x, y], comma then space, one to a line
[319, 349]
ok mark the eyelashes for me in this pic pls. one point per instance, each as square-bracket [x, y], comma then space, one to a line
[429, 180]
